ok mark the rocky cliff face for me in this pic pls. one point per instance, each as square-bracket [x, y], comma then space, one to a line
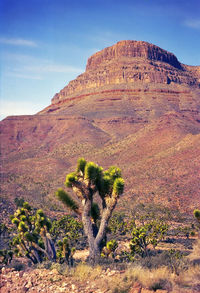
[132, 49]
[129, 62]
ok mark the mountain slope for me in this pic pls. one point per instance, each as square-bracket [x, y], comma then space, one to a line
[136, 106]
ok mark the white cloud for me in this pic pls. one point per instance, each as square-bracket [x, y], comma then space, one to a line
[21, 58]
[18, 42]
[30, 67]
[57, 68]
[9, 108]
[193, 23]
[25, 76]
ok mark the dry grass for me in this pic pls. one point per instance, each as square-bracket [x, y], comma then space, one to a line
[195, 254]
[116, 281]
[150, 278]
[85, 272]
[189, 277]
[161, 278]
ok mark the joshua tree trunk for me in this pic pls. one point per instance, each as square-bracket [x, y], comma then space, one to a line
[94, 253]
[95, 241]
[94, 249]
[50, 248]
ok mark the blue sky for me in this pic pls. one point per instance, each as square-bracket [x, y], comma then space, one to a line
[46, 43]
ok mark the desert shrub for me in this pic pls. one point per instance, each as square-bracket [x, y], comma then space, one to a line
[32, 237]
[46, 264]
[118, 224]
[143, 236]
[18, 266]
[159, 284]
[6, 256]
[192, 233]
[126, 256]
[19, 201]
[64, 253]
[177, 261]
[3, 229]
[69, 227]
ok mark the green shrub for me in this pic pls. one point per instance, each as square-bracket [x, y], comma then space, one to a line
[149, 233]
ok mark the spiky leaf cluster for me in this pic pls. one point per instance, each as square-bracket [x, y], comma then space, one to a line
[110, 248]
[81, 165]
[107, 183]
[197, 214]
[112, 245]
[92, 172]
[70, 179]
[118, 186]
[112, 183]
[67, 200]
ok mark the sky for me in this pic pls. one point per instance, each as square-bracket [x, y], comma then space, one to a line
[46, 43]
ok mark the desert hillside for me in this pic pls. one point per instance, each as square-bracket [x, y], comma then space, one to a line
[136, 106]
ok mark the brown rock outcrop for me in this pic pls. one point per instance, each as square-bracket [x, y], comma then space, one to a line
[132, 49]
[129, 62]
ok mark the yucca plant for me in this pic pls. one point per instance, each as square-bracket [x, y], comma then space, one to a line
[33, 239]
[197, 217]
[90, 179]
[109, 249]
[64, 252]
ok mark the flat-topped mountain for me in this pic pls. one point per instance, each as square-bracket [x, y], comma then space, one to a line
[129, 63]
[135, 106]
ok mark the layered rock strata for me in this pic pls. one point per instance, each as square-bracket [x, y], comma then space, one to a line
[132, 63]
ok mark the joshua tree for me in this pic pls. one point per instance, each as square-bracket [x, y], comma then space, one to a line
[90, 179]
[197, 216]
[33, 239]
[64, 253]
